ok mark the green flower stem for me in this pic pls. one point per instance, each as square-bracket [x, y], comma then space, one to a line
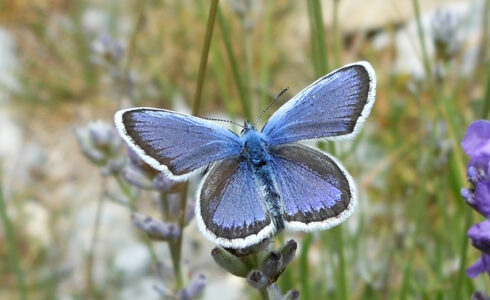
[95, 234]
[130, 54]
[234, 65]
[264, 293]
[173, 246]
[204, 57]
[343, 288]
[304, 272]
[316, 9]
[420, 31]
[336, 35]
[486, 100]
[219, 71]
[11, 247]
[266, 46]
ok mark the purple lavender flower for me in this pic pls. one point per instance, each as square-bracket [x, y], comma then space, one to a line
[101, 144]
[476, 144]
[480, 236]
[481, 265]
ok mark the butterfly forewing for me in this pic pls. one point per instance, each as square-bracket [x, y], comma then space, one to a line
[230, 211]
[171, 141]
[336, 105]
[316, 191]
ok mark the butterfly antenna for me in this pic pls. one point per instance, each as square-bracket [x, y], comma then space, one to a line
[270, 105]
[222, 120]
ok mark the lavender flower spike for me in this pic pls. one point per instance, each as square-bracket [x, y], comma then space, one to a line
[476, 143]
[482, 265]
[155, 229]
[480, 236]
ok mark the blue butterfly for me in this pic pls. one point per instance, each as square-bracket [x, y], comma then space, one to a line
[262, 181]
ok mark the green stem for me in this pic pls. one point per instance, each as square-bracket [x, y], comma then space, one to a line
[458, 287]
[95, 233]
[173, 246]
[176, 247]
[11, 247]
[204, 57]
[343, 288]
[219, 71]
[420, 31]
[125, 84]
[304, 272]
[313, 40]
[264, 293]
[320, 37]
[265, 69]
[336, 35]
[486, 100]
[234, 65]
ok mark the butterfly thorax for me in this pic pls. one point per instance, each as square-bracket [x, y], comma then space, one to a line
[256, 152]
[255, 148]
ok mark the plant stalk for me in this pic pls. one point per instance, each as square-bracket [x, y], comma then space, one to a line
[11, 247]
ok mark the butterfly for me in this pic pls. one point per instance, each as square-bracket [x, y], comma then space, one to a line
[261, 182]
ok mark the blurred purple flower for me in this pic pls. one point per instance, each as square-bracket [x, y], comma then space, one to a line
[101, 144]
[481, 265]
[156, 229]
[194, 289]
[107, 49]
[480, 236]
[446, 34]
[476, 144]
[143, 176]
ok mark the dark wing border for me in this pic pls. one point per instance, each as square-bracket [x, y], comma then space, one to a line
[332, 216]
[231, 165]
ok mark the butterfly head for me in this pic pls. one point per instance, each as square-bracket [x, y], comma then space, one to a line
[247, 126]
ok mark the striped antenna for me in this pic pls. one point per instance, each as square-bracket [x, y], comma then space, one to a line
[222, 120]
[270, 105]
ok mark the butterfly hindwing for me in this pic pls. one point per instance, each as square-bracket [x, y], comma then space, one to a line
[169, 141]
[229, 209]
[336, 105]
[316, 191]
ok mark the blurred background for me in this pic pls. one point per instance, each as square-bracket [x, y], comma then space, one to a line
[69, 188]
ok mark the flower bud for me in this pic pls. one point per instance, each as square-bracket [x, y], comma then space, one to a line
[272, 264]
[230, 262]
[257, 279]
[155, 229]
[288, 251]
[195, 287]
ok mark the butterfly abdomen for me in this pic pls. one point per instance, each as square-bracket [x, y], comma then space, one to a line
[257, 153]
[270, 194]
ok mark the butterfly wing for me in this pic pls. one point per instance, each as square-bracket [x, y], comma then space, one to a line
[170, 141]
[316, 191]
[333, 106]
[229, 210]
